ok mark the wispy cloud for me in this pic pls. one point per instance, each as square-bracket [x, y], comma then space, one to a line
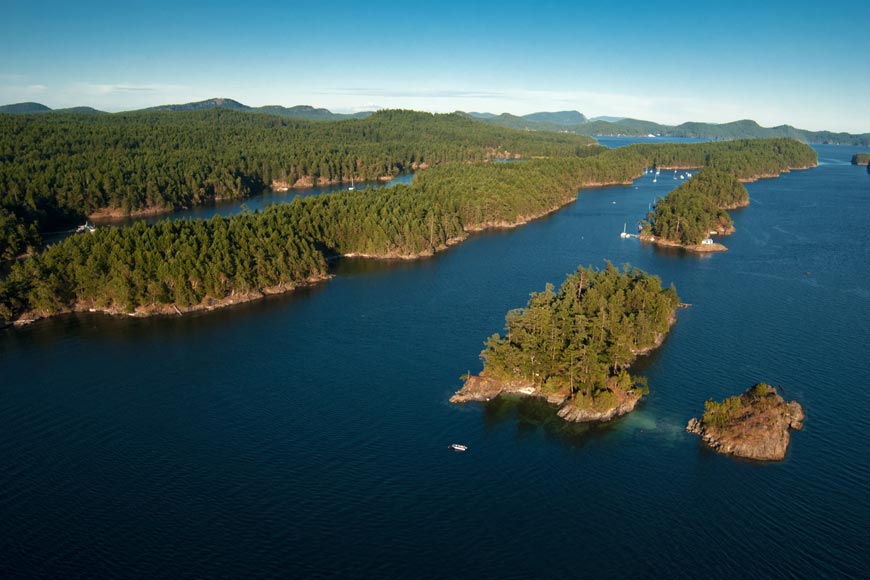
[99, 89]
[11, 93]
[406, 93]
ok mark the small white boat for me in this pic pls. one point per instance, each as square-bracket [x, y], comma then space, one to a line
[351, 184]
[624, 233]
[458, 447]
[86, 228]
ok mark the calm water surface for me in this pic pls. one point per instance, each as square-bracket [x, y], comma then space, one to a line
[306, 435]
[234, 206]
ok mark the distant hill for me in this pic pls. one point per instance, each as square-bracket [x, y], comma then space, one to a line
[559, 122]
[202, 105]
[513, 122]
[607, 126]
[308, 112]
[33, 108]
[564, 118]
[24, 108]
[82, 110]
[298, 112]
[606, 118]
[543, 121]
[743, 129]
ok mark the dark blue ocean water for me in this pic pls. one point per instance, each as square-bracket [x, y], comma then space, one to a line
[306, 435]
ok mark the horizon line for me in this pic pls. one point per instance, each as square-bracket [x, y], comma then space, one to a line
[375, 109]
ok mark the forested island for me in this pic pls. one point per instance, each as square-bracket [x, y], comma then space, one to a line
[57, 169]
[697, 209]
[195, 264]
[861, 159]
[753, 425]
[573, 347]
[625, 127]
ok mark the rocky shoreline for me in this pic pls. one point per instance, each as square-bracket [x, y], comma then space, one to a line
[212, 304]
[754, 425]
[483, 388]
[697, 248]
[208, 304]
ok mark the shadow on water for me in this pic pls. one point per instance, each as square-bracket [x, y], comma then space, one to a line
[534, 415]
[118, 328]
[365, 266]
[676, 252]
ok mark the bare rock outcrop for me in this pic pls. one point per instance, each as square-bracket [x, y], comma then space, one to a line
[753, 425]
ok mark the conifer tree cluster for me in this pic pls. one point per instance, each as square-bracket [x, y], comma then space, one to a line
[581, 339]
[184, 262]
[697, 207]
[56, 169]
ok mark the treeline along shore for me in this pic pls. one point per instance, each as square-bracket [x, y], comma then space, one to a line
[56, 170]
[183, 265]
[574, 346]
[697, 209]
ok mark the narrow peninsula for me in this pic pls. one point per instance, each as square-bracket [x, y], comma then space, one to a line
[185, 265]
[574, 347]
[753, 425]
[689, 216]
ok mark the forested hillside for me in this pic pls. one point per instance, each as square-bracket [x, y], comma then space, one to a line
[56, 169]
[698, 207]
[188, 262]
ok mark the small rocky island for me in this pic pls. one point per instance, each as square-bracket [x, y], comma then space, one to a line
[753, 425]
[574, 347]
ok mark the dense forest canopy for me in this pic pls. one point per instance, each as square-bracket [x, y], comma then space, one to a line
[581, 338]
[58, 168]
[861, 159]
[698, 207]
[188, 261]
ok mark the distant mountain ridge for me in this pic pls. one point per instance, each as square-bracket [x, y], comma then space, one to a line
[542, 121]
[24, 108]
[299, 111]
[605, 127]
[558, 121]
[743, 129]
[565, 118]
[36, 108]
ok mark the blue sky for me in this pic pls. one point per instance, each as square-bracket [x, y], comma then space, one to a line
[799, 63]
